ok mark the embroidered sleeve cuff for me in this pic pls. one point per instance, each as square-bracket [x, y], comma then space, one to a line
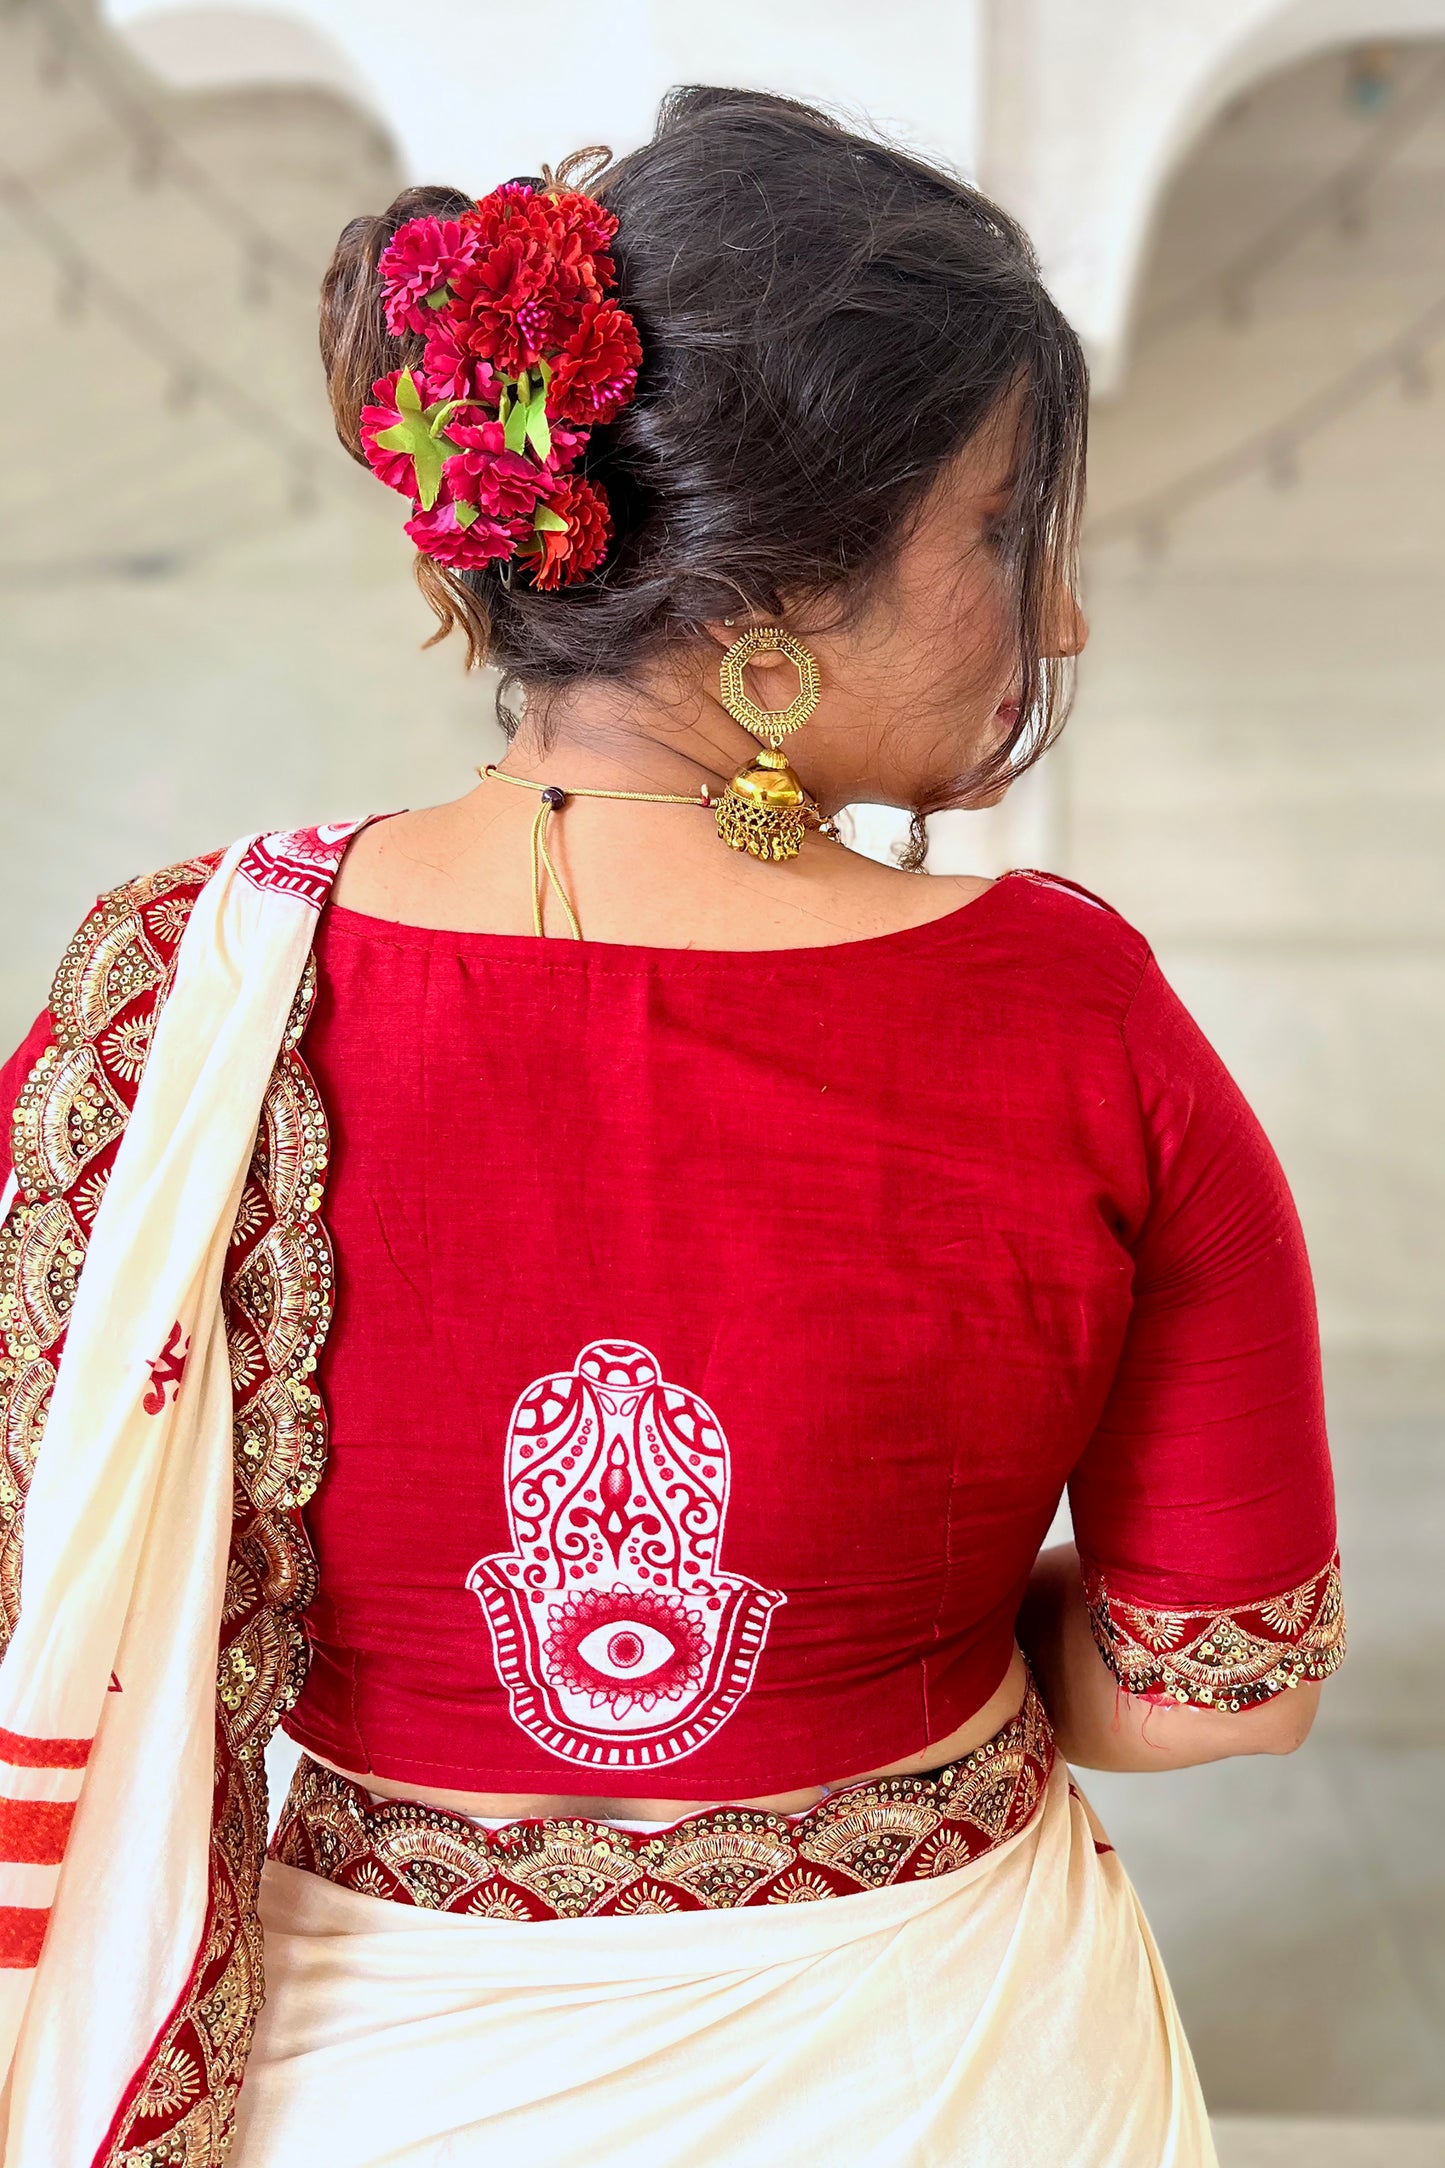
[1231, 1659]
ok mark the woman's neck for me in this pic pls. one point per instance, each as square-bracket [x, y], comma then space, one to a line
[621, 738]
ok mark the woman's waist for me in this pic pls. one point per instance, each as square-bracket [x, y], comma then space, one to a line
[973, 1731]
[481, 1733]
[861, 1835]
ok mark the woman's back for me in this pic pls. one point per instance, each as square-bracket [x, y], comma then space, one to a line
[791, 1288]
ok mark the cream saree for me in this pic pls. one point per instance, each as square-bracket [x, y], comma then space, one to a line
[165, 1285]
[1012, 2014]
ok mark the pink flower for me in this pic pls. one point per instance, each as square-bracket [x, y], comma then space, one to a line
[422, 258]
[394, 468]
[567, 447]
[500, 484]
[444, 533]
[597, 368]
[448, 371]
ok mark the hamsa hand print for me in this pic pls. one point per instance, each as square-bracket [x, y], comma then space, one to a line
[620, 1642]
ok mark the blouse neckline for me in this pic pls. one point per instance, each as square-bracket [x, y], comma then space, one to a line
[621, 955]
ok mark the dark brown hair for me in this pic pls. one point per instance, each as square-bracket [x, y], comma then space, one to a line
[825, 320]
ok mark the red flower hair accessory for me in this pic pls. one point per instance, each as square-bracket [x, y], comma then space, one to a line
[523, 354]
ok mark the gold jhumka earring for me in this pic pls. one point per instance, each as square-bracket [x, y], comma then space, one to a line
[765, 810]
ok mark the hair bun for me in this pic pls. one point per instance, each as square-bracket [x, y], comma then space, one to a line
[827, 320]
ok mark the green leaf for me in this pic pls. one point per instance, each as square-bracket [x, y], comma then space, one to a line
[524, 389]
[417, 434]
[539, 429]
[514, 435]
[547, 521]
[466, 513]
[440, 298]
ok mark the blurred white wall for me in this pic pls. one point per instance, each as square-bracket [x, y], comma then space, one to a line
[1091, 106]
[485, 93]
[1255, 771]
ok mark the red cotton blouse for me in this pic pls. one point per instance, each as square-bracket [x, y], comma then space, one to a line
[716, 1333]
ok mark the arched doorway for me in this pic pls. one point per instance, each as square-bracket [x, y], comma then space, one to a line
[1255, 775]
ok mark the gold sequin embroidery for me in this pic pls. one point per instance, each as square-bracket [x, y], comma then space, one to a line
[865, 1837]
[1228, 1659]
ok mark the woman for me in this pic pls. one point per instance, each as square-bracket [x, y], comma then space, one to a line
[610, 1407]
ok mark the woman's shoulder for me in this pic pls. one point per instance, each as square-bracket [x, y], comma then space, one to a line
[126, 938]
[121, 954]
[78, 1064]
[133, 928]
[1077, 936]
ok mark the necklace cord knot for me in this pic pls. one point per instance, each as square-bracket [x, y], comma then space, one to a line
[553, 798]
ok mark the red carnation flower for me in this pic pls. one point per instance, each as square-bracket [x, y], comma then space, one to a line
[447, 370]
[568, 555]
[396, 469]
[498, 304]
[597, 368]
[587, 225]
[422, 257]
[570, 290]
[444, 534]
[514, 209]
[484, 474]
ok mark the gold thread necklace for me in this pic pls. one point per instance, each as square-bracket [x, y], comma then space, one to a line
[553, 800]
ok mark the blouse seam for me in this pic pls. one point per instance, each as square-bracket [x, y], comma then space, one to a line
[1141, 1126]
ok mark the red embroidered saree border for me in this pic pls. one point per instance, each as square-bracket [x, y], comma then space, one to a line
[1231, 1658]
[69, 1119]
[895, 1829]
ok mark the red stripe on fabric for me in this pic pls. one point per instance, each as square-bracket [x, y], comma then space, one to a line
[27, 1753]
[22, 1930]
[33, 1832]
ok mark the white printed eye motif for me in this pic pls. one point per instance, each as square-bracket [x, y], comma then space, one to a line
[621, 1651]
[621, 1641]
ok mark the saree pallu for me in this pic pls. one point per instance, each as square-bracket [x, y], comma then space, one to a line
[1011, 2013]
[165, 1283]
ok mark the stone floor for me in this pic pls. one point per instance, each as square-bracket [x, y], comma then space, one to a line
[1282, 2142]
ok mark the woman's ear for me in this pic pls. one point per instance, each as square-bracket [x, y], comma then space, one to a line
[724, 630]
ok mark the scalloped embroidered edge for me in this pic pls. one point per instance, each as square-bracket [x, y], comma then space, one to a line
[1232, 1658]
[263, 1654]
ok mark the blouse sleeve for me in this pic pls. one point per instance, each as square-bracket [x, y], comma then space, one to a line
[1203, 1505]
[13, 1074]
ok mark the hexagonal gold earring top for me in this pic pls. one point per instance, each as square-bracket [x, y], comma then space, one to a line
[771, 726]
